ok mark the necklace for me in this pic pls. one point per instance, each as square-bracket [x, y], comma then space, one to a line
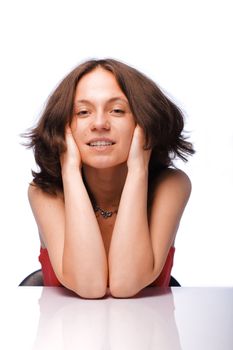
[105, 213]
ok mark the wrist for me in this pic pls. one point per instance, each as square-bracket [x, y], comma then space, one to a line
[70, 170]
[138, 177]
[138, 171]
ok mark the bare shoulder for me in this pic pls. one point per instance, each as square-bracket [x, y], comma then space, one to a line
[33, 192]
[48, 211]
[37, 195]
[174, 178]
[172, 186]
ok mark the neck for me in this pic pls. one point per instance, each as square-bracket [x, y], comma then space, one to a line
[105, 185]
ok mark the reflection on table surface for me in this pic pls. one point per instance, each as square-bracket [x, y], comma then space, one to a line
[156, 318]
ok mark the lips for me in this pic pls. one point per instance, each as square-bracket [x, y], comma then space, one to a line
[100, 142]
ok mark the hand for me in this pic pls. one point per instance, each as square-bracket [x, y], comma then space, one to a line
[138, 158]
[71, 157]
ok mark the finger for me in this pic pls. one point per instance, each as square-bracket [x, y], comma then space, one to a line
[68, 129]
[70, 140]
[140, 134]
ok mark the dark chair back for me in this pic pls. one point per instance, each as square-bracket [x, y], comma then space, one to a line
[34, 279]
[174, 282]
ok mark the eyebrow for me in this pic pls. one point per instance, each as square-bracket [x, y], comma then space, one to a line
[113, 99]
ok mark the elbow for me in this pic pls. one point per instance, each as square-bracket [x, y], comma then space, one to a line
[131, 287]
[90, 294]
[85, 291]
[84, 285]
[123, 291]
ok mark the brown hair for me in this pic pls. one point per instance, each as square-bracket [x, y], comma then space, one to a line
[161, 120]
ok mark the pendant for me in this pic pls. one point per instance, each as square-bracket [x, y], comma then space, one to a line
[106, 214]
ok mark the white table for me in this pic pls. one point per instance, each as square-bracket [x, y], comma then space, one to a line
[171, 318]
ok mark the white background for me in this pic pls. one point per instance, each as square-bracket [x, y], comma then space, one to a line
[186, 47]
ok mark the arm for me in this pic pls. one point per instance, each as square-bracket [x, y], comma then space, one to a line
[139, 248]
[84, 256]
[131, 256]
[71, 233]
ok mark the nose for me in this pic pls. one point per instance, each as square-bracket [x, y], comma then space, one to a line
[100, 122]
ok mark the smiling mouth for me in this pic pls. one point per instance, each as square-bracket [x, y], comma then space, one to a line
[101, 144]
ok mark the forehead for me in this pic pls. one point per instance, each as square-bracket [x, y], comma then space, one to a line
[98, 83]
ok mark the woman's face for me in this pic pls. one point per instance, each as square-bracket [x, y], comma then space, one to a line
[102, 124]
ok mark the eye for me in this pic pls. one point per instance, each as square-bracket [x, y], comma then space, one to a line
[82, 113]
[118, 111]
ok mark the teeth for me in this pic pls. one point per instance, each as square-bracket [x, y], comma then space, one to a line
[101, 143]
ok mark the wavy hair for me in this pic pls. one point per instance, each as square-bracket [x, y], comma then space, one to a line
[161, 120]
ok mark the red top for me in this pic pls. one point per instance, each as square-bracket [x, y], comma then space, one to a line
[50, 278]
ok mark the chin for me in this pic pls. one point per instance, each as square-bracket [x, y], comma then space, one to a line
[104, 164]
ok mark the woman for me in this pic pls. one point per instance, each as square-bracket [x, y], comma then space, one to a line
[106, 199]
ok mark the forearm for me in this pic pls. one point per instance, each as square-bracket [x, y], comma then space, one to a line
[84, 257]
[131, 254]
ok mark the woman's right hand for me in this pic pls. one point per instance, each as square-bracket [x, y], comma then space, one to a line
[71, 158]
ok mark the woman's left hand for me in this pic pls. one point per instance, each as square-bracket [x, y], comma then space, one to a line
[138, 158]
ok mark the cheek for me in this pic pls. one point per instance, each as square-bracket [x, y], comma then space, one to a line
[129, 134]
[77, 132]
[126, 142]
